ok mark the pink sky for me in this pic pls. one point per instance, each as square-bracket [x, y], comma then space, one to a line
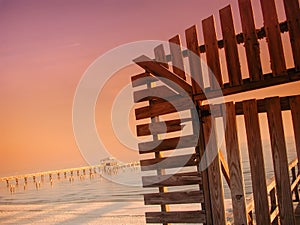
[45, 47]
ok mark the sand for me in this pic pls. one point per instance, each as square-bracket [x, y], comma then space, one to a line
[74, 213]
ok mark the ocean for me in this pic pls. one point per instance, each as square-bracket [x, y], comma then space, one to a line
[95, 199]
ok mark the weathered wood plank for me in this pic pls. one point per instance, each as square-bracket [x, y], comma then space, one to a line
[214, 172]
[250, 40]
[230, 46]
[192, 43]
[152, 93]
[160, 127]
[295, 110]
[178, 179]
[247, 85]
[280, 161]
[142, 79]
[261, 33]
[169, 162]
[256, 162]
[161, 108]
[234, 161]
[164, 75]
[273, 37]
[212, 53]
[177, 197]
[188, 141]
[176, 56]
[293, 18]
[160, 56]
[261, 107]
[176, 217]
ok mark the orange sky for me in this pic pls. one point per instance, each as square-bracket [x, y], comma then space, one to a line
[45, 48]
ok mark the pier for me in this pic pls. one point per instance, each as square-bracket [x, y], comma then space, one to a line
[102, 168]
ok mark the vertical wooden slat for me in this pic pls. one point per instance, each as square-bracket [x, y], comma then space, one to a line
[212, 52]
[273, 205]
[295, 110]
[230, 45]
[200, 149]
[250, 38]
[197, 85]
[256, 162]
[160, 55]
[214, 172]
[273, 37]
[192, 43]
[280, 161]
[176, 56]
[292, 12]
[234, 162]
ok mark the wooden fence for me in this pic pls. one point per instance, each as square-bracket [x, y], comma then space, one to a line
[272, 200]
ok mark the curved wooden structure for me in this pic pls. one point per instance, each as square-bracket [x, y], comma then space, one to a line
[272, 200]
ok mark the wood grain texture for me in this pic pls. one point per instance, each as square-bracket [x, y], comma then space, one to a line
[165, 75]
[295, 110]
[212, 53]
[248, 85]
[178, 179]
[293, 18]
[160, 127]
[176, 104]
[176, 217]
[159, 56]
[273, 37]
[152, 93]
[142, 79]
[214, 172]
[169, 162]
[280, 161]
[230, 46]
[177, 197]
[176, 56]
[250, 40]
[187, 141]
[256, 162]
[162, 92]
[239, 110]
[192, 43]
[234, 164]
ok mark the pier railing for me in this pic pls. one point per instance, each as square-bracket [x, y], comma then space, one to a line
[103, 168]
[204, 189]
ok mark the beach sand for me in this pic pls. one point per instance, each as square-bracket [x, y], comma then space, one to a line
[74, 213]
[107, 213]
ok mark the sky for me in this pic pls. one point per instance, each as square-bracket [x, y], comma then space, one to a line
[46, 47]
